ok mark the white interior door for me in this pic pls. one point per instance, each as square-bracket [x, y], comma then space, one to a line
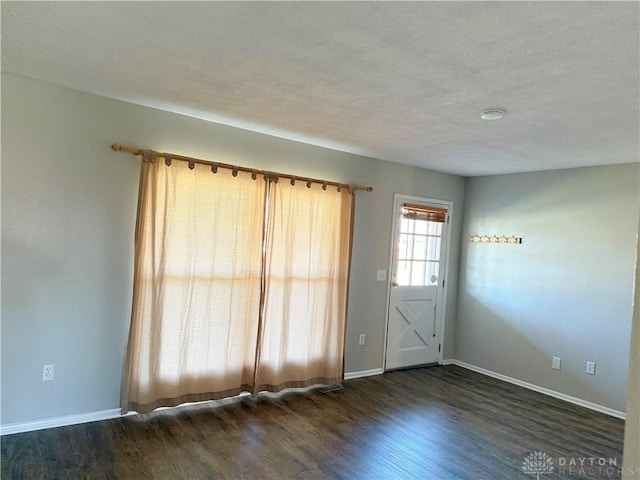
[414, 333]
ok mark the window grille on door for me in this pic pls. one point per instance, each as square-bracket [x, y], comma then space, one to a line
[419, 242]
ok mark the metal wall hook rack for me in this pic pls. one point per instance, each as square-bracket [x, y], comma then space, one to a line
[494, 239]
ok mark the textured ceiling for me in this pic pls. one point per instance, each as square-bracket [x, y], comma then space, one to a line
[399, 81]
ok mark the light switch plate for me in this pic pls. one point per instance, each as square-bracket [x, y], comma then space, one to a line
[381, 276]
[556, 362]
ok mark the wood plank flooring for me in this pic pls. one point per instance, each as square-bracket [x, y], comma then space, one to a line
[426, 423]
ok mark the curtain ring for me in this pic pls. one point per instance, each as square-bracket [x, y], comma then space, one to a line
[167, 160]
[152, 156]
[192, 164]
[293, 180]
[275, 178]
[351, 189]
[234, 171]
[309, 183]
[339, 187]
[145, 156]
[254, 174]
[214, 167]
[324, 185]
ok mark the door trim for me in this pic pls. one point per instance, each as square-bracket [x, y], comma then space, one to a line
[442, 312]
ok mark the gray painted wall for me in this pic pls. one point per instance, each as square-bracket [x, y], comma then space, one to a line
[566, 291]
[68, 213]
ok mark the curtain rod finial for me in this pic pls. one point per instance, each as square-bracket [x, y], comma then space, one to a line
[116, 147]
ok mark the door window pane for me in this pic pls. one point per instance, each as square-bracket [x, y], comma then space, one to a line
[433, 249]
[417, 273]
[403, 274]
[418, 252]
[405, 247]
[421, 227]
[433, 268]
[420, 244]
[434, 228]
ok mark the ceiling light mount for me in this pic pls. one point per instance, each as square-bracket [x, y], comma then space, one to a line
[492, 114]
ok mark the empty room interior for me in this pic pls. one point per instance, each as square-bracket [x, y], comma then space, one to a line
[350, 240]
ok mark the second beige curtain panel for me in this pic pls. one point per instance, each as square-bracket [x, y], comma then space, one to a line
[305, 300]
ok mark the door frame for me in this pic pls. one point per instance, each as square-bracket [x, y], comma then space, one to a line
[441, 312]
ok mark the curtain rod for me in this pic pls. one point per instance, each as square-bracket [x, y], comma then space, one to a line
[140, 151]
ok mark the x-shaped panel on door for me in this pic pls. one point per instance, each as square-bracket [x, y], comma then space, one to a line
[411, 311]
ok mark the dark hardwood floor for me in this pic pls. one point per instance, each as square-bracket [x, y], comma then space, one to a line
[428, 423]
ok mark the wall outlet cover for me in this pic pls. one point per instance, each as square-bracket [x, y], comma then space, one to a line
[47, 373]
[556, 362]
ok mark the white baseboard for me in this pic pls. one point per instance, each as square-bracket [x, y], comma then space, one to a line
[364, 373]
[537, 388]
[115, 412]
[59, 421]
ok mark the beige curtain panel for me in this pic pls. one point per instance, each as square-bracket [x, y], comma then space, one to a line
[240, 284]
[305, 300]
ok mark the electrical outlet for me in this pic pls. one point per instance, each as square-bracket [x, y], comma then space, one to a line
[381, 276]
[363, 338]
[591, 368]
[556, 362]
[47, 372]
